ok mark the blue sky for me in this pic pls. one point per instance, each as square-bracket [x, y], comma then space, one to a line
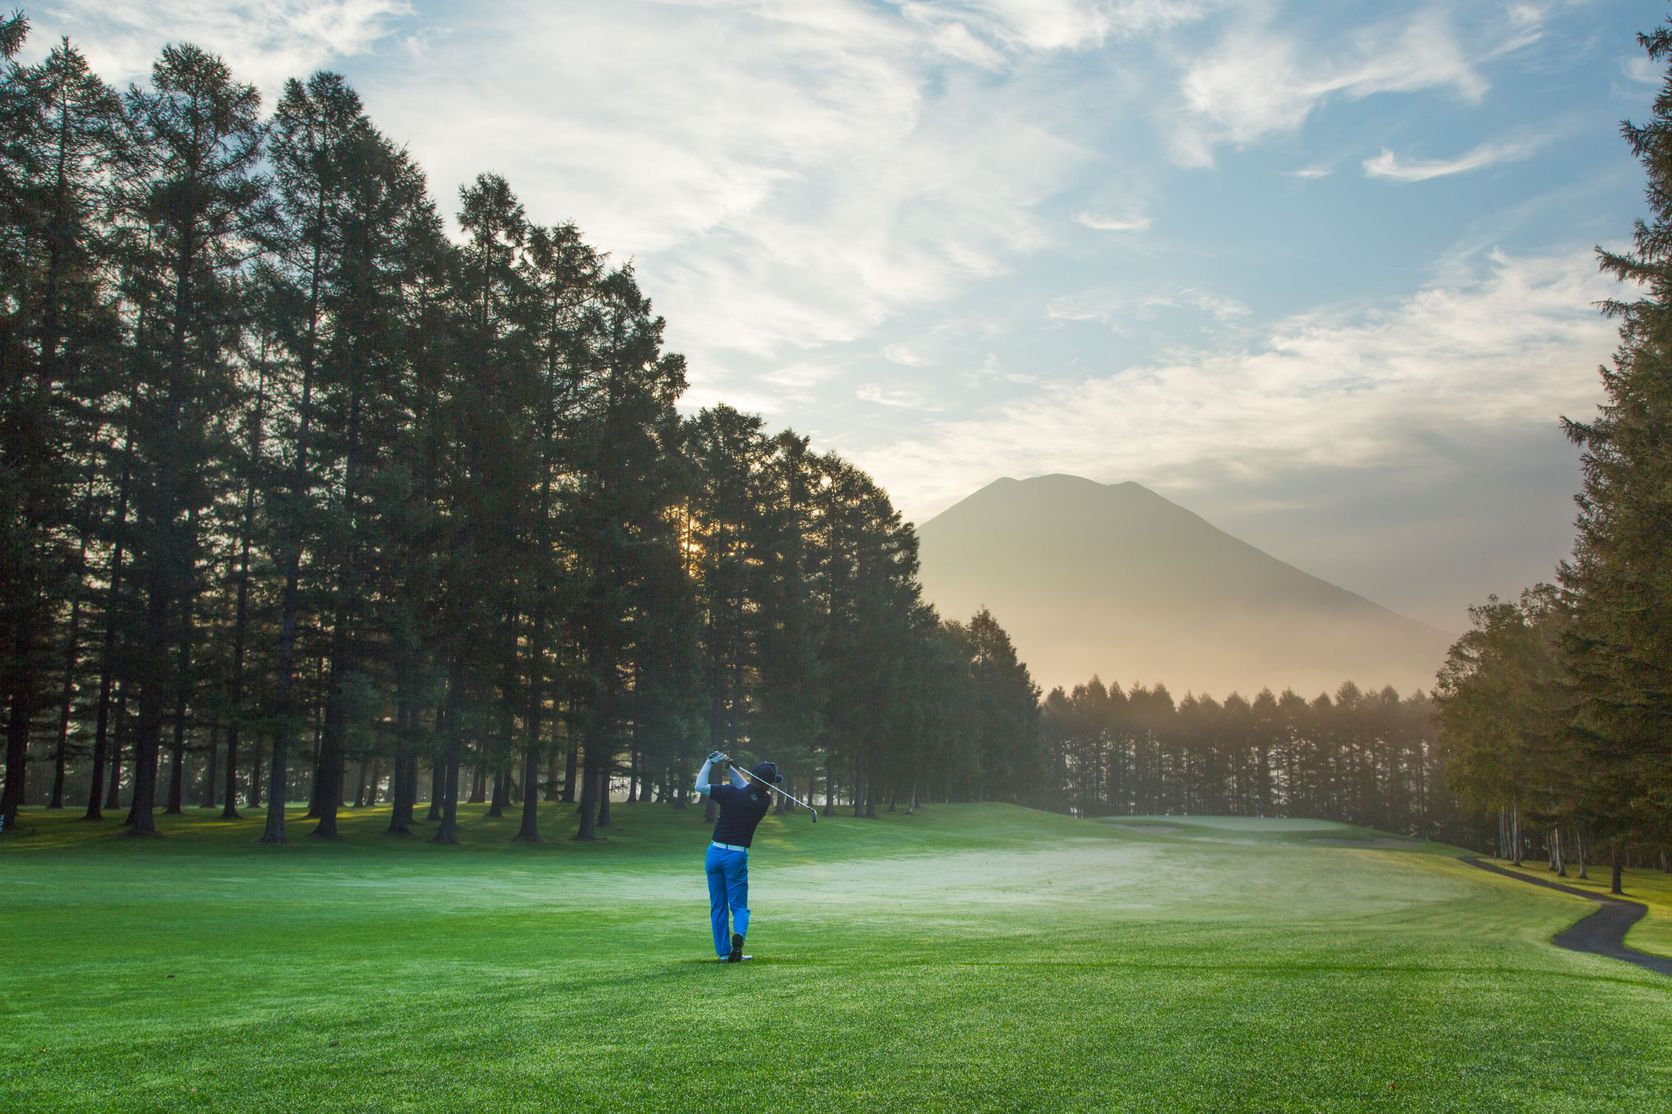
[1322, 273]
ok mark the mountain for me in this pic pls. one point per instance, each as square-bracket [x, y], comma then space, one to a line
[1114, 580]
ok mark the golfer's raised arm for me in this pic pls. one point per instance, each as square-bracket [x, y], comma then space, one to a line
[702, 787]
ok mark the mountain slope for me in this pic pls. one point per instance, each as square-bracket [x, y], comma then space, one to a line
[1115, 580]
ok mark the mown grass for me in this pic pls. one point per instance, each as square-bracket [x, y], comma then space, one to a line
[964, 958]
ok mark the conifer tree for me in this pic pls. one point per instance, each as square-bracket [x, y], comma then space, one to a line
[61, 149]
[1620, 577]
[202, 201]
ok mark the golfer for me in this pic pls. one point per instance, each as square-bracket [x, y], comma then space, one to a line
[742, 804]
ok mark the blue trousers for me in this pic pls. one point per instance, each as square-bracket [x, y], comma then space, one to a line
[728, 895]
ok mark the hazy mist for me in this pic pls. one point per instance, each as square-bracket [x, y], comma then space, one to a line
[1114, 580]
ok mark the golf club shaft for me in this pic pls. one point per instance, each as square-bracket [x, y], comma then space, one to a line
[775, 789]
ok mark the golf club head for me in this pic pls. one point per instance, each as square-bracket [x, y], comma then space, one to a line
[814, 813]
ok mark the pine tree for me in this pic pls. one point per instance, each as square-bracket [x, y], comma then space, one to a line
[1620, 578]
[201, 201]
[61, 146]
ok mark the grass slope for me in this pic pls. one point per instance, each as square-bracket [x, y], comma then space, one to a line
[966, 958]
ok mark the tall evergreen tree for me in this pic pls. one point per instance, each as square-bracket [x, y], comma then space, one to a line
[61, 147]
[1620, 578]
[201, 200]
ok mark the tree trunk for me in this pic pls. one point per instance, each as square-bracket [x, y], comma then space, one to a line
[438, 787]
[56, 799]
[400, 808]
[182, 687]
[1556, 845]
[605, 776]
[107, 663]
[447, 831]
[1617, 863]
[148, 731]
[586, 815]
[72, 646]
[212, 774]
[119, 736]
[569, 762]
[17, 759]
[1579, 850]
[257, 764]
[529, 832]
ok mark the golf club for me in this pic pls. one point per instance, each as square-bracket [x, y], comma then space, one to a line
[813, 812]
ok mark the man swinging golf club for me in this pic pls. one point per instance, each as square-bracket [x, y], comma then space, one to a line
[742, 804]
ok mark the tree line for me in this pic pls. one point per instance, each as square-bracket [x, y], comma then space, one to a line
[1362, 757]
[1556, 708]
[302, 496]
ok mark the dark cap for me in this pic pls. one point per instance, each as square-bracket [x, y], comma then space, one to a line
[768, 772]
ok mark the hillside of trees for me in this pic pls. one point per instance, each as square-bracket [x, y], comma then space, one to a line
[303, 497]
[1557, 708]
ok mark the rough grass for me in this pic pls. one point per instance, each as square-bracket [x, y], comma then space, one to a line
[965, 958]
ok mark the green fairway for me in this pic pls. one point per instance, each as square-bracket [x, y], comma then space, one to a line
[978, 957]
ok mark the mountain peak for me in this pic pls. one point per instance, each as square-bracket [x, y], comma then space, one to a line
[1117, 580]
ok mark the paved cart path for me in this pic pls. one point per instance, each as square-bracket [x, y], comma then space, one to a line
[1600, 933]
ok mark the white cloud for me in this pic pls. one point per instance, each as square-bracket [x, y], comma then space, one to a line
[1389, 165]
[904, 356]
[1001, 27]
[264, 41]
[894, 397]
[786, 175]
[1258, 81]
[1113, 224]
[1512, 349]
[1111, 307]
[1318, 170]
[1642, 69]
[800, 376]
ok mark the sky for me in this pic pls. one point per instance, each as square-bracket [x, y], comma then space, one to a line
[1322, 273]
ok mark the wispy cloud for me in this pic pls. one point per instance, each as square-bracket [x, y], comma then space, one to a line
[787, 176]
[904, 356]
[1008, 26]
[1641, 69]
[1112, 307]
[1317, 170]
[265, 41]
[1389, 165]
[1259, 81]
[1113, 224]
[892, 396]
[1510, 349]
